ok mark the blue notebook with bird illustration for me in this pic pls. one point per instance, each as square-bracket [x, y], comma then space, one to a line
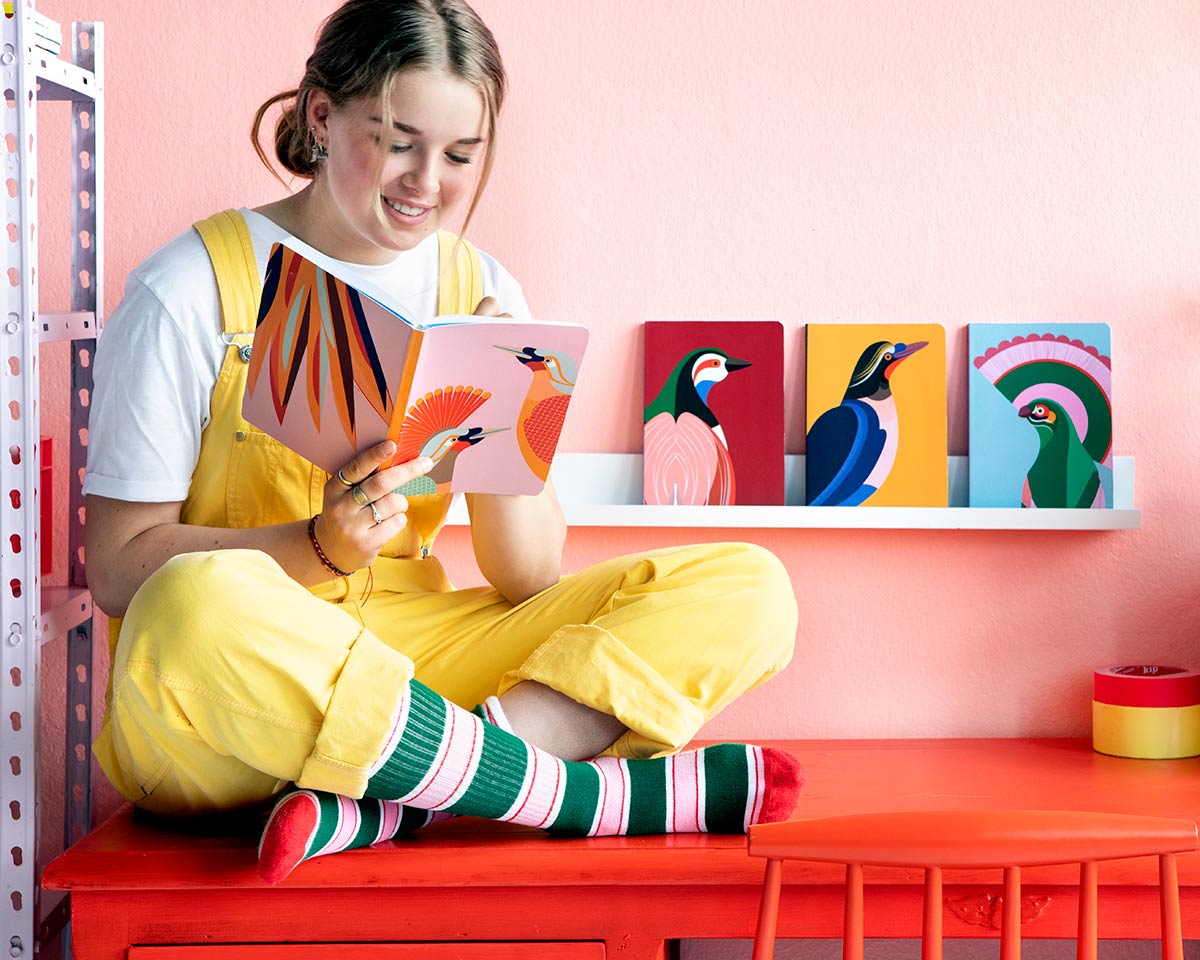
[712, 425]
[1040, 415]
[337, 367]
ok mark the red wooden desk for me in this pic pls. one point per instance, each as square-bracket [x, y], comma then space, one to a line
[146, 894]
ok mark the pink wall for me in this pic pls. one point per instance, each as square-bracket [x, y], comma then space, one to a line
[949, 161]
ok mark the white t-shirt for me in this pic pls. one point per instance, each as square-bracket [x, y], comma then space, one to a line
[158, 357]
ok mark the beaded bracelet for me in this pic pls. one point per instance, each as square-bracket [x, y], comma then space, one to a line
[312, 537]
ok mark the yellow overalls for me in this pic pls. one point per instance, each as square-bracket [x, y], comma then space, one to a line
[230, 679]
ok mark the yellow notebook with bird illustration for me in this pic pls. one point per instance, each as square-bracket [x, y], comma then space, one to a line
[875, 402]
[337, 366]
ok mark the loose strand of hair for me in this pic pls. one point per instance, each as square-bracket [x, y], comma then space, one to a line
[256, 130]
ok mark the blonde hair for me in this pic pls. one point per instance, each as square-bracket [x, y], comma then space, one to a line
[362, 47]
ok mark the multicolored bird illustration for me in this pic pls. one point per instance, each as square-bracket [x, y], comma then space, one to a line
[545, 406]
[685, 456]
[433, 427]
[1063, 387]
[1064, 473]
[307, 313]
[852, 447]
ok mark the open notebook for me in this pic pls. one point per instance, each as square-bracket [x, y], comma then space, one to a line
[337, 366]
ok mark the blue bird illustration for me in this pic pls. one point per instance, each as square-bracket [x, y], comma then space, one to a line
[852, 447]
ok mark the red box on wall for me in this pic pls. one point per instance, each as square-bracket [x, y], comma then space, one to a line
[46, 488]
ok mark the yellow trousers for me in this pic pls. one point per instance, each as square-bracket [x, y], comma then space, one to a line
[231, 680]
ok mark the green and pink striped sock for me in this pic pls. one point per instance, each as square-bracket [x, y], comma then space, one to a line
[441, 757]
[311, 823]
[442, 760]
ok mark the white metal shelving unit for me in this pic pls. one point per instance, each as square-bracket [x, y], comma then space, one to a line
[605, 490]
[30, 615]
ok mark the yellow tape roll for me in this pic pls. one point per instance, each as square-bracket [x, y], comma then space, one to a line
[1151, 733]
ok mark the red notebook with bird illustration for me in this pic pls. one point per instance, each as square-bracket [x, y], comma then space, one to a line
[712, 425]
[336, 367]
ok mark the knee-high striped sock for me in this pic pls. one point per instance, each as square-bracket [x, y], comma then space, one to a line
[311, 823]
[444, 758]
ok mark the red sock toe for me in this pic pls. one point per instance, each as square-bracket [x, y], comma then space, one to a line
[784, 777]
[286, 837]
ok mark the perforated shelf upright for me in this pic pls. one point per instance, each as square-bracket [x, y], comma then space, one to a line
[31, 615]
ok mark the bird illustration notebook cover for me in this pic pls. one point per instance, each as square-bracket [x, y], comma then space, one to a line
[1040, 415]
[876, 415]
[713, 418]
[336, 367]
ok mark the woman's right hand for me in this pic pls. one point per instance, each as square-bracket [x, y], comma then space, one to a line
[361, 511]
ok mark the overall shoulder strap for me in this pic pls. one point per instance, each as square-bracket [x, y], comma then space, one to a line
[460, 275]
[227, 239]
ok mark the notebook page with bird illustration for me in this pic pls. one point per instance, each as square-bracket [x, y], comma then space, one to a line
[337, 367]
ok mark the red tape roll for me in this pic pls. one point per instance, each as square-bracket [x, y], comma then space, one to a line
[1147, 685]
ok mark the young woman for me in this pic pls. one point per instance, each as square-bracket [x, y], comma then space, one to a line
[275, 626]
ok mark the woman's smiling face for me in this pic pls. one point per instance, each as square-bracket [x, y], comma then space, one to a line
[432, 154]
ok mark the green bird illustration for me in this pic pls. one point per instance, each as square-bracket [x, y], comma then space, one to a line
[1064, 473]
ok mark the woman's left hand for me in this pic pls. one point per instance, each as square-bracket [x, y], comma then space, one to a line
[362, 510]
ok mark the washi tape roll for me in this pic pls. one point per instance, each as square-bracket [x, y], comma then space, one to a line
[1147, 711]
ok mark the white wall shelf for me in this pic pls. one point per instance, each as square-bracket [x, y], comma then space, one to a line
[605, 490]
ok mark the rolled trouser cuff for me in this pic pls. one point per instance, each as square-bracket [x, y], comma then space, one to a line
[590, 665]
[359, 720]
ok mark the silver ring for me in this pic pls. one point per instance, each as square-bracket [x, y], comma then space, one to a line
[360, 497]
[342, 477]
[375, 514]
